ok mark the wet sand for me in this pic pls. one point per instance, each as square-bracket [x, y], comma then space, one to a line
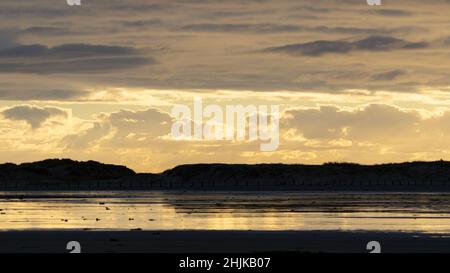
[269, 211]
[220, 241]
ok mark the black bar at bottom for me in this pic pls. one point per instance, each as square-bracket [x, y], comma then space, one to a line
[258, 262]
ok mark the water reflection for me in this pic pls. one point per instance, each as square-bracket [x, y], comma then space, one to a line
[226, 211]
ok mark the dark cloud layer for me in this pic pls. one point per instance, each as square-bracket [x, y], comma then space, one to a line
[8, 38]
[391, 12]
[41, 94]
[70, 58]
[389, 75]
[277, 28]
[211, 45]
[372, 43]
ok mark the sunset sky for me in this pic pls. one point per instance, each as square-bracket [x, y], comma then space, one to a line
[355, 83]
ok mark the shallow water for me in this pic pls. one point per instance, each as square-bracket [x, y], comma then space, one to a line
[421, 212]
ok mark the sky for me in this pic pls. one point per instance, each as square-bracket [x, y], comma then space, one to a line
[355, 83]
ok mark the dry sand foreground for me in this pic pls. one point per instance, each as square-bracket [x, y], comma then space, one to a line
[219, 241]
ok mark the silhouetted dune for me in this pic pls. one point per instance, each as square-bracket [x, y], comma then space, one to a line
[67, 174]
[58, 172]
[345, 176]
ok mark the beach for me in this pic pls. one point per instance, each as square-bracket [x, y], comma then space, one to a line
[223, 222]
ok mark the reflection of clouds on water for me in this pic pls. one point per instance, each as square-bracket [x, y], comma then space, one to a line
[227, 211]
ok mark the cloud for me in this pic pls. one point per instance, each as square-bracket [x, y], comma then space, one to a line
[70, 58]
[262, 28]
[124, 128]
[35, 116]
[8, 38]
[367, 133]
[321, 47]
[391, 12]
[149, 123]
[41, 94]
[142, 23]
[47, 30]
[389, 75]
[87, 137]
[178, 36]
[372, 122]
